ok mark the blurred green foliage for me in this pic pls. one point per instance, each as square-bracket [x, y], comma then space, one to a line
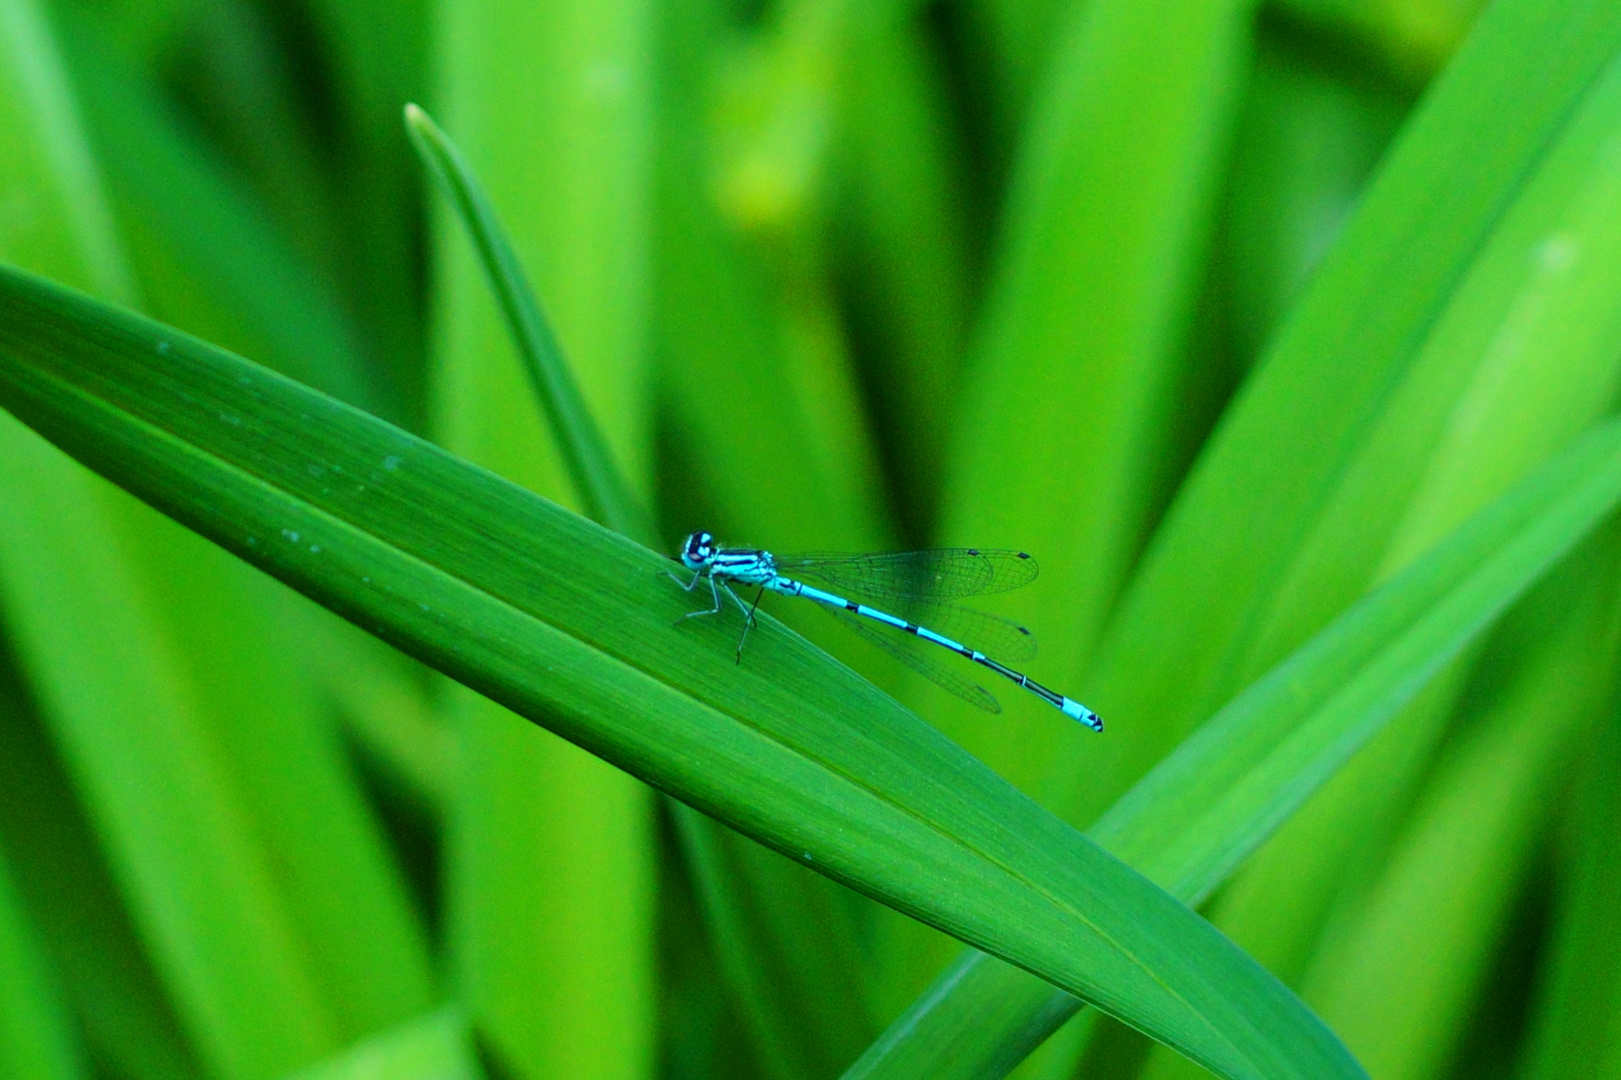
[1229, 311]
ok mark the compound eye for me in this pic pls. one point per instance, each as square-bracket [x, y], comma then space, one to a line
[699, 547]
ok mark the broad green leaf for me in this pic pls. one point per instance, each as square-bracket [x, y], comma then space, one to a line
[571, 626]
[36, 1040]
[1213, 801]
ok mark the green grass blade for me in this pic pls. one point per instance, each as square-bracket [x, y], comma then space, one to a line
[791, 1038]
[36, 1040]
[790, 951]
[438, 1046]
[1239, 532]
[96, 655]
[1015, 43]
[599, 485]
[571, 626]
[1521, 356]
[1191, 820]
[728, 355]
[183, 853]
[1307, 143]
[1412, 39]
[377, 55]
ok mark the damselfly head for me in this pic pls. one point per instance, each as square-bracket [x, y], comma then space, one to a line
[697, 551]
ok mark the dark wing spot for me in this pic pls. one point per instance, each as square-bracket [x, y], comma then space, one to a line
[1024, 555]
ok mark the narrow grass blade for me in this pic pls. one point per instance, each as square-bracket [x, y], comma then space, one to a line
[1015, 40]
[723, 885]
[1523, 353]
[377, 56]
[571, 626]
[1412, 40]
[69, 230]
[1308, 141]
[240, 844]
[1191, 820]
[1062, 446]
[605, 497]
[790, 952]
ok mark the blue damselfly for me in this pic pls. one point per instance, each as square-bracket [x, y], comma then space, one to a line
[922, 584]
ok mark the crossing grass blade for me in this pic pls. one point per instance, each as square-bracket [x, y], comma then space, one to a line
[1215, 800]
[570, 625]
